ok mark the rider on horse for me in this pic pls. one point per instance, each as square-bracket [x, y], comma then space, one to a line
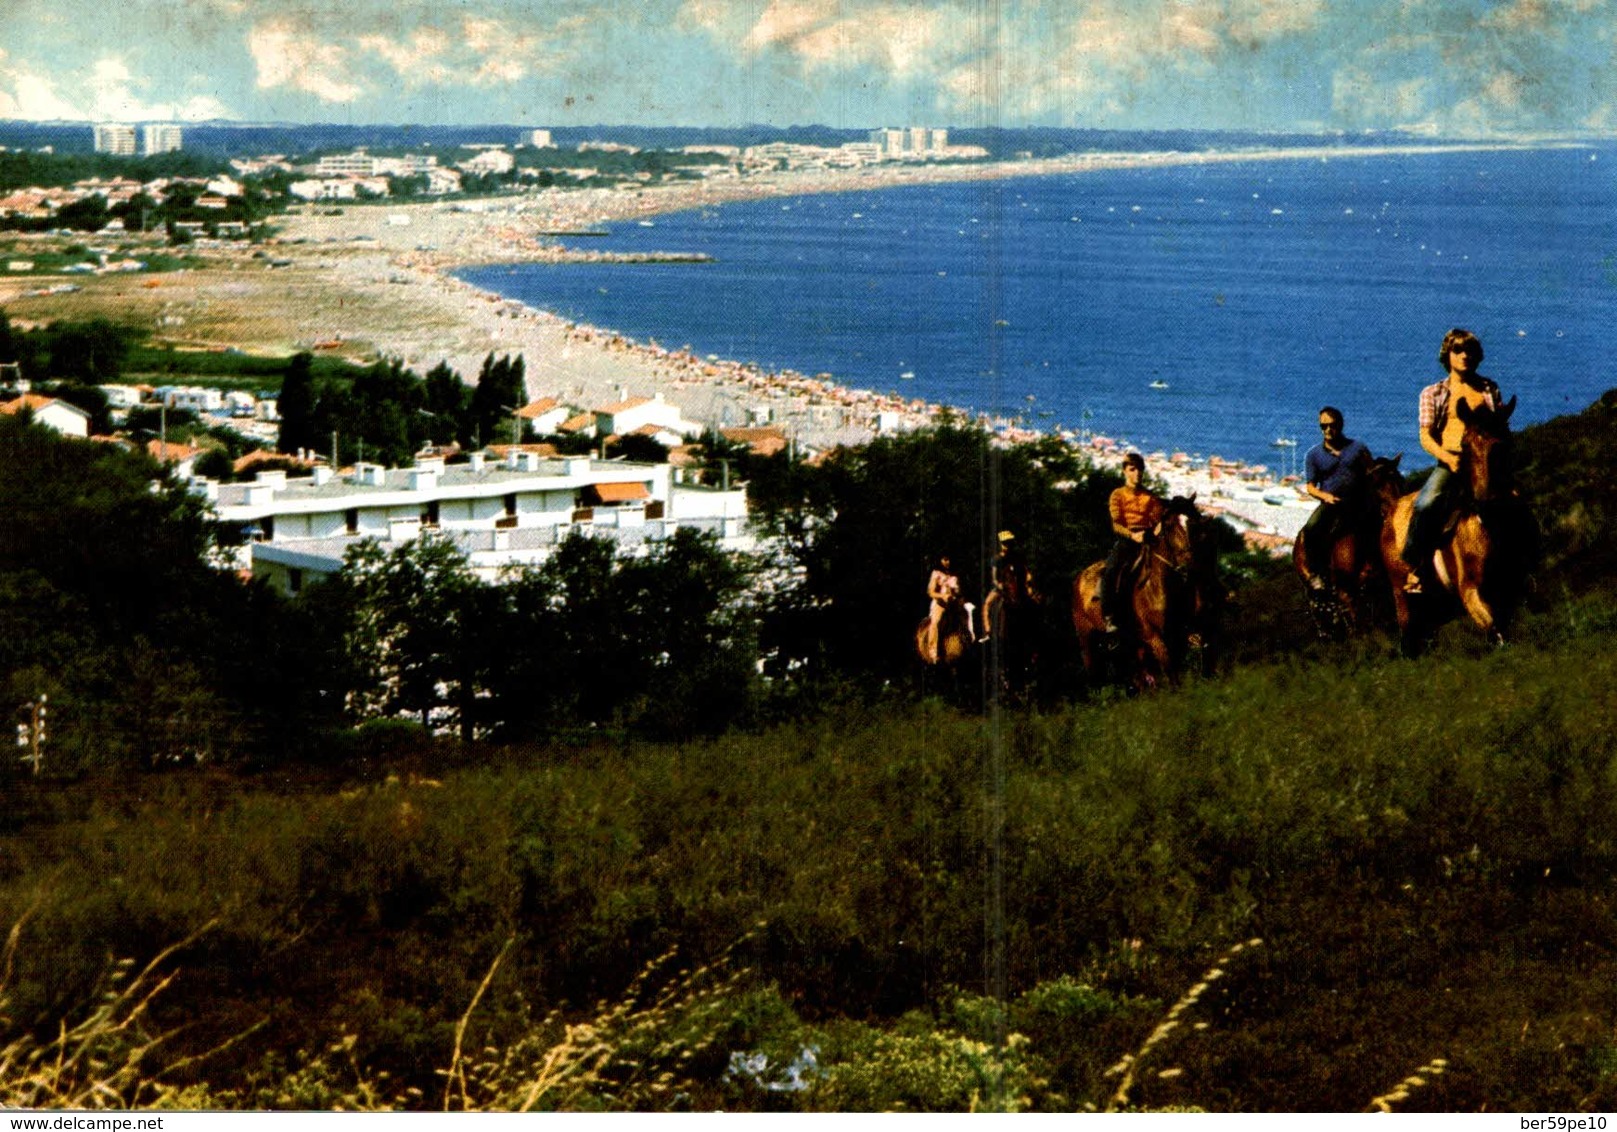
[1441, 433]
[943, 588]
[1011, 581]
[1136, 515]
[1336, 468]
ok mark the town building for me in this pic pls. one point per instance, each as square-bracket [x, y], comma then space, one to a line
[489, 161]
[160, 137]
[54, 414]
[501, 514]
[633, 414]
[540, 139]
[356, 164]
[115, 138]
[544, 416]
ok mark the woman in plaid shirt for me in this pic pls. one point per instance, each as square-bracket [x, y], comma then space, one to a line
[1441, 431]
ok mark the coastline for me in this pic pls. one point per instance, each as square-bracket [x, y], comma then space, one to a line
[375, 280]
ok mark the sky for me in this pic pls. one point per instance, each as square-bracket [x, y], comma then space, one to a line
[1472, 68]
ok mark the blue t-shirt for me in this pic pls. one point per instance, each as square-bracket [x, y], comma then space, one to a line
[1336, 473]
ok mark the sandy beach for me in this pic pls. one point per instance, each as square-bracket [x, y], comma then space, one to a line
[373, 280]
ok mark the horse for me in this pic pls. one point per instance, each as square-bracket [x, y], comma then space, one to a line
[1175, 602]
[956, 635]
[1342, 607]
[1010, 631]
[1483, 561]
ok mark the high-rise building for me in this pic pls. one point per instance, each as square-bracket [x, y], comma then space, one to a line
[115, 138]
[890, 140]
[540, 139]
[159, 137]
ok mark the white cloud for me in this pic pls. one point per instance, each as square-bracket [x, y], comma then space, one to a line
[827, 35]
[420, 59]
[29, 96]
[287, 54]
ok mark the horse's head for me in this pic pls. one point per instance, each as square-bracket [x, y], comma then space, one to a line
[1485, 449]
[1385, 480]
[1199, 538]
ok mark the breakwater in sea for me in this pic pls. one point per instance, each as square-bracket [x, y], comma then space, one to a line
[1207, 308]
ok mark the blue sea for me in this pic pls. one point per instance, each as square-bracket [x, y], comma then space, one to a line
[1206, 308]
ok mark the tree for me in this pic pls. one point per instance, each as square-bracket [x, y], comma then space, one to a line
[501, 388]
[91, 351]
[447, 397]
[411, 623]
[296, 405]
[109, 603]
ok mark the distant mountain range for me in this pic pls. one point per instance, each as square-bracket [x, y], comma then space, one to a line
[236, 139]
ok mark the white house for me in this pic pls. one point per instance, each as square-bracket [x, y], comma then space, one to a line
[544, 416]
[69, 420]
[630, 414]
[501, 514]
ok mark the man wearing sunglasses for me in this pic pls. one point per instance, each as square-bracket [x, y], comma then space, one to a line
[1336, 468]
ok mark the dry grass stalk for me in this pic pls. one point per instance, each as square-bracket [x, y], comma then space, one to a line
[1400, 1091]
[630, 1054]
[1129, 1064]
[100, 1061]
[457, 1072]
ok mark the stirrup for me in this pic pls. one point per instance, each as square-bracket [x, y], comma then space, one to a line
[1412, 584]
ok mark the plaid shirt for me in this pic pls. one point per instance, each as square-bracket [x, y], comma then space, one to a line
[1434, 405]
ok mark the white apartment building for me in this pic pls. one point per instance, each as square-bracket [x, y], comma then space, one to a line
[912, 143]
[489, 161]
[356, 164]
[115, 138]
[540, 139]
[410, 165]
[160, 137]
[501, 514]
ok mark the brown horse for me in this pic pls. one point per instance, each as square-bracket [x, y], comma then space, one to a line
[955, 636]
[1175, 602]
[1483, 561]
[1010, 632]
[1342, 607]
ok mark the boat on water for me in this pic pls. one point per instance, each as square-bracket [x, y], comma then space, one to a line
[1284, 442]
[1159, 384]
[907, 374]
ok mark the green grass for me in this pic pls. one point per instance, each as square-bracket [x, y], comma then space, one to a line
[1426, 847]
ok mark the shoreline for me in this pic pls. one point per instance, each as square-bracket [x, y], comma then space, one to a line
[376, 280]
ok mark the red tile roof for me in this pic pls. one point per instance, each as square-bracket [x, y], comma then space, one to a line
[538, 408]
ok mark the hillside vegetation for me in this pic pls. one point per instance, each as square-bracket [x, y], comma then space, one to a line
[1349, 880]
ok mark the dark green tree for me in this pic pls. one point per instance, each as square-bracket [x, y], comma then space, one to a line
[447, 398]
[296, 405]
[92, 351]
[500, 389]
